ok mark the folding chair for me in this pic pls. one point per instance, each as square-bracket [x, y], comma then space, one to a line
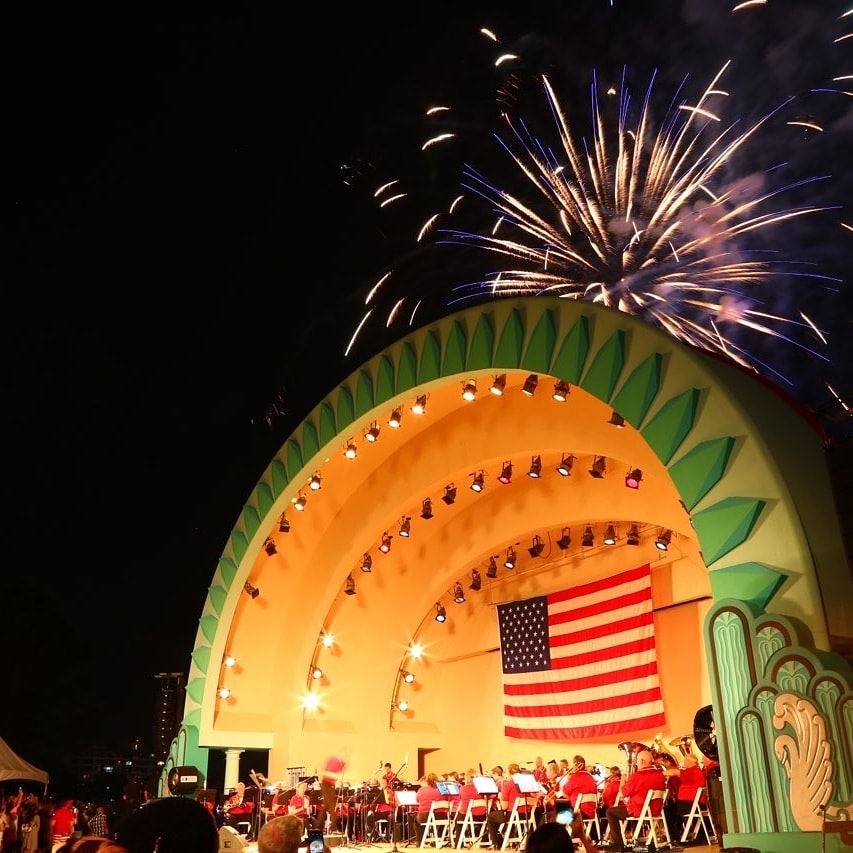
[468, 831]
[696, 819]
[589, 822]
[518, 825]
[656, 822]
[616, 802]
[437, 827]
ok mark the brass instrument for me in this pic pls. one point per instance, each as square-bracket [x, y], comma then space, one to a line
[632, 749]
[660, 748]
[684, 744]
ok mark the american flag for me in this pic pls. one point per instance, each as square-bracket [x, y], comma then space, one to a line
[581, 663]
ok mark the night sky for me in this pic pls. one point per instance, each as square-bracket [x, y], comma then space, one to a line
[192, 238]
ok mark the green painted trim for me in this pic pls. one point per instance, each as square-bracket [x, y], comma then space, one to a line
[201, 658]
[364, 400]
[455, 348]
[279, 477]
[328, 427]
[345, 408]
[753, 582]
[725, 525]
[385, 388]
[251, 520]
[699, 470]
[606, 367]
[239, 544]
[540, 348]
[208, 626]
[293, 455]
[639, 390]
[228, 570]
[195, 689]
[430, 365]
[265, 499]
[779, 842]
[571, 358]
[508, 353]
[407, 368]
[217, 596]
[669, 427]
[482, 344]
[310, 442]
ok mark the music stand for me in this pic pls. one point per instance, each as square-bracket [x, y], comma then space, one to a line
[404, 799]
[526, 783]
[485, 784]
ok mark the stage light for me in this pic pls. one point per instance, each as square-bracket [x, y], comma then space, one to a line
[223, 693]
[599, 467]
[373, 433]
[440, 613]
[349, 585]
[538, 546]
[403, 705]
[498, 385]
[588, 539]
[479, 481]
[458, 593]
[252, 591]
[617, 420]
[633, 537]
[229, 661]
[610, 535]
[283, 524]
[426, 508]
[396, 419]
[449, 495]
[492, 570]
[561, 391]
[663, 540]
[469, 390]
[315, 482]
[476, 581]
[310, 701]
[299, 502]
[328, 641]
[350, 451]
[535, 470]
[405, 526]
[633, 478]
[408, 677]
[510, 559]
[564, 469]
[366, 562]
[385, 545]
[530, 384]
[416, 651]
[506, 473]
[419, 406]
[565, 540]
[269, 547]
[316, 673]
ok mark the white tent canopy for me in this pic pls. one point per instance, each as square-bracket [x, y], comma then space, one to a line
[12, 766]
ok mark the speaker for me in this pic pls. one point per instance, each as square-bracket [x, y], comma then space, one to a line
[230, 841]
[184, 780]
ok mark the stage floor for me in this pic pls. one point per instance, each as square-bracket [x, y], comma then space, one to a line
[385, 848]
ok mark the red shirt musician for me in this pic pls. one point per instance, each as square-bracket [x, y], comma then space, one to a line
[333, 773]
[644, 779]
[580, 781]
[467, 793]
[611, 788]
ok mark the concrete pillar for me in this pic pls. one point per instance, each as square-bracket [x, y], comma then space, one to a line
[232, 768]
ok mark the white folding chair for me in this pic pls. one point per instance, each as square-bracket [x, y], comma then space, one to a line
[656, 822]
[589, 822]
[437, 826]
[518, 825]
[616, 802]
[468, 832]
[696, 819]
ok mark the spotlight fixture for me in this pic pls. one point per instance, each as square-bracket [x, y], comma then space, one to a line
[229, 661]
[538, 546]
[561, 391]
[269, 547]
[588, 539]
[498, 385]
[633, 537]
[385, 545]
[492, 570]
[599, 467]
[366, 562]
[458, 593]
[610, 535]
[310, 701]
[403, 705]
[617, 420]
[440, 612]
[408, 677]
[426, 508]
[633, 478]
[316, 673]
[476, 581]
[252, 591]
[564, 469]
[405, 526]
[328, 641]
[663, 540]
[223, 693]
[510, 559]
[506, 473]
[469, 390]
[396, 419]
[419, 406]
[416, 651]
[315, 482]
[299, 502]
[565, 540]
[350, 451]
[349, 585]
[479, 481]
[530, 384]
[373, 433]
[283, 524]
[449, 495]
[535, 467]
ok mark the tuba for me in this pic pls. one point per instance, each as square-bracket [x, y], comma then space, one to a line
[660, 748]
[632, 748]
[684, 744]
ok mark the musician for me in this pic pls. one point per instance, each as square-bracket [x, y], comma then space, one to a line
[333, 773]
[552, 791]
[580, 781]
[645, 778]
[300, 805]
[467, 793]
[389, 775]
[540, 774]
[506, 799]
[612, 784]
[692, 778]
[379, 805]
[236, 808]
[427, 794]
